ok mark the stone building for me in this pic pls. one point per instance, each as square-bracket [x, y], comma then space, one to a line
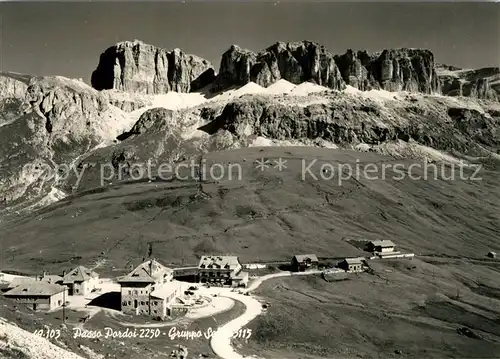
[222, 270]
[80, 281]
[303, 262]
[382, 246]
[39, 295]
[149, 289]
[352, 264]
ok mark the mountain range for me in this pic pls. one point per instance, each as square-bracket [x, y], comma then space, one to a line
[151, 104]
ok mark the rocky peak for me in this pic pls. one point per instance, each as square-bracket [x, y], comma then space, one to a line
[481, 83]
[295, 62]
[142, 68]
[392, 70]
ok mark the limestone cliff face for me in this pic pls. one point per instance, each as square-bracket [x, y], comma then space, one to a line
[12, 91]
[347, 120]
[141, 68]
[295, 62]
[481, 83]
[410, 70]
[58, 120]
[13, 85]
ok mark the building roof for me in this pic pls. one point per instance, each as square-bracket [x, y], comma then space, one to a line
[150, 272]
[51, 278]
[357, 260]
[383, 243]
[304, 257]
[24, 280]
[79, 274]
[225, 262]
[21, 280]
[35, 289]
[165, 290]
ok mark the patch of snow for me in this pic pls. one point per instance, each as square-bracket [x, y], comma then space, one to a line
[402, 149]
[53, 196]
[114, 122]
[379, 96]
[75, 84]
[362, 147]
[177, 101]
[261, 141]
[250, 88]
[280, 87]
[306, 88]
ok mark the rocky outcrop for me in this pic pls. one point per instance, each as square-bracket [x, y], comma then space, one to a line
[60, 120]
[481, 83]
[71, 112]
[138, 67]
[295, 62]
[410, 70]
[354, 71]
[13, 85]
[125, 101]
[155, 119]
[13, 88]
[347, 120]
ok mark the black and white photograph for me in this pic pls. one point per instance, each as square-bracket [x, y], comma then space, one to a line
[268, 179]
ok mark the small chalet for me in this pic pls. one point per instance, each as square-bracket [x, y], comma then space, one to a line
[382, 246]
[39, 295]
[149, 289]
[352, 264]
[80, 281]
[222, 270]
[303, 262]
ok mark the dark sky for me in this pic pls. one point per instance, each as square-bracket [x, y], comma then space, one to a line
[44, 38]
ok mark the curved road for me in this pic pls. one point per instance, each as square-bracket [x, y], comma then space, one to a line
[221, 339]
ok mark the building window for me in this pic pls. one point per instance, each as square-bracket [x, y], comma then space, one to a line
[125, 304]
[129, 302]
[129, 292]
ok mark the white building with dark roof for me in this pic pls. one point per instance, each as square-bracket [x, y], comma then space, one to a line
[352, 264]
[45, 278]
[80, 281]
[222, 270]
[39, 295]
[149, 289]
[381, 246]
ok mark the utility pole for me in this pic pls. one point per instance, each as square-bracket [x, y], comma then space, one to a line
[150, 250]
[64, 306]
